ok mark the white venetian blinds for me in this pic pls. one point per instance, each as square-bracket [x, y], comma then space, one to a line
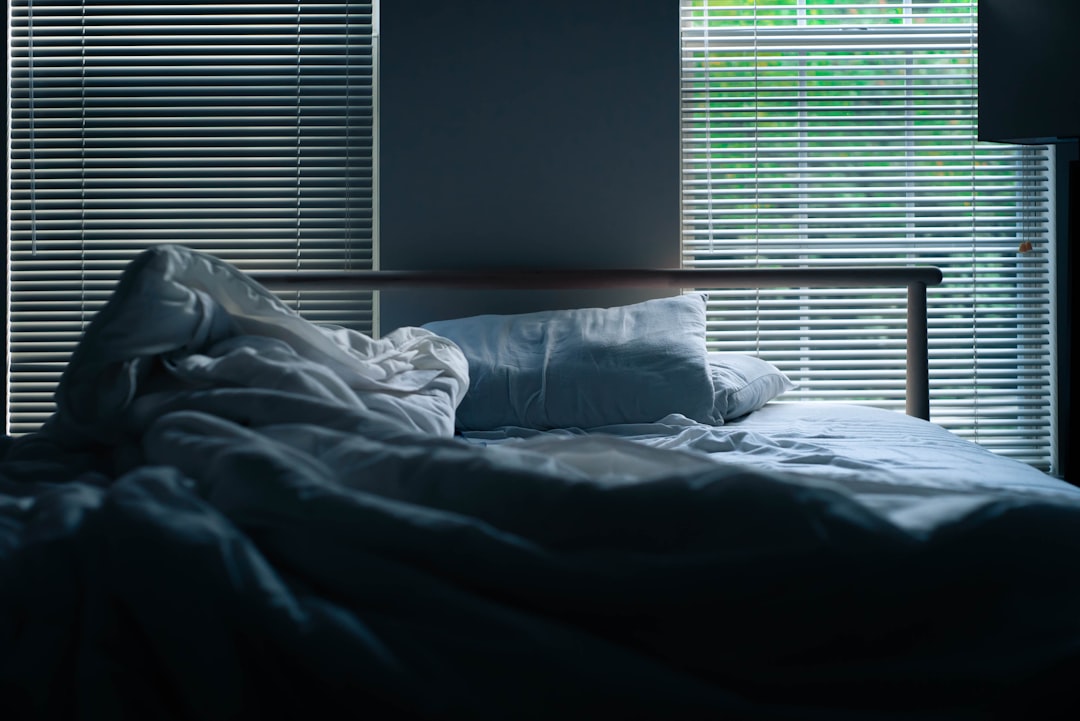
[244, 129]
[821, 132]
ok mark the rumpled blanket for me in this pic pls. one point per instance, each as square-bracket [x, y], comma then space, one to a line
[183, 325]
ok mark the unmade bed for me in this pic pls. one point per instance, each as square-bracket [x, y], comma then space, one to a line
[235, 513]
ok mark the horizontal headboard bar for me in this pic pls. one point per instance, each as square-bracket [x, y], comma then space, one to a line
[559, 279]
[915, 278]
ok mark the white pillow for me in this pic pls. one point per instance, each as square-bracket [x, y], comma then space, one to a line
[585, 367]
[743, 383]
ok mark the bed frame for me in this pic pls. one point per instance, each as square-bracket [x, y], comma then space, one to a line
[915, 278]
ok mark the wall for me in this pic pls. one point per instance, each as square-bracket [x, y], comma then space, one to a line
[1028, 60]
[518, 133]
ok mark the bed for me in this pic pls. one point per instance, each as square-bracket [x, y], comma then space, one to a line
[235, 513]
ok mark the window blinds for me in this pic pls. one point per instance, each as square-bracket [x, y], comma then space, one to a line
[837, 133]
[243, 129]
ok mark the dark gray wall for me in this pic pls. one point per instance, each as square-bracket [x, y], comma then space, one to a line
[526, 133]
[1029, 70]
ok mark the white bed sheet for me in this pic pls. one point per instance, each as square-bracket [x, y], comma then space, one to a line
[915, 472]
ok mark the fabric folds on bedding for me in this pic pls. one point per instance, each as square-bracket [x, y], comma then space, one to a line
[281, 569]
[181, 320]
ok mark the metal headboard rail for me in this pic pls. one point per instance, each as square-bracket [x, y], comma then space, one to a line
[915, 278]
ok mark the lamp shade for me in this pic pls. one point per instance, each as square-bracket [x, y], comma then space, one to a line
[1029, 70]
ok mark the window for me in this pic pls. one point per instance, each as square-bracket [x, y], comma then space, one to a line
[822, 132]
[241, 129]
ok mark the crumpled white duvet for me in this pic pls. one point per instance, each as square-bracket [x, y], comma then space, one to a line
[180, 320]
